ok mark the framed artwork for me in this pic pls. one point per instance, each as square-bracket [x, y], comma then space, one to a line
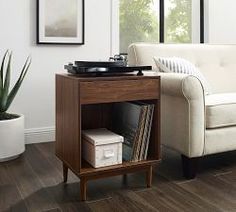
[60, 22]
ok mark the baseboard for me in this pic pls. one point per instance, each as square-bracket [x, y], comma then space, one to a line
[39, 135]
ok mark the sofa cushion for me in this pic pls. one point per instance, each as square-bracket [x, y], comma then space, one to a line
[181, 66]
[220, 110]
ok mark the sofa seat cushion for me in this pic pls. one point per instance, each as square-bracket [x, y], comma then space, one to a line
[220, 110]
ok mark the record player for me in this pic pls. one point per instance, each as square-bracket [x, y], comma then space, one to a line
[104, 68]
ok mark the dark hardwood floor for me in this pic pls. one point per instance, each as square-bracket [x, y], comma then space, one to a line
[33, 182]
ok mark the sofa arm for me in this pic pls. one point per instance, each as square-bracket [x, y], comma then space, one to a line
[181, 85]
[183, 114]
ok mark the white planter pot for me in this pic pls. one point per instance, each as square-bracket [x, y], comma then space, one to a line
[12, 139]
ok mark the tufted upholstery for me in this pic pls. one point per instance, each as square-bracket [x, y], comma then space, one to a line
[192, 123]
[216, 62]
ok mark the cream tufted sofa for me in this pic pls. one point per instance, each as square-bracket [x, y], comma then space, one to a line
[193, 123]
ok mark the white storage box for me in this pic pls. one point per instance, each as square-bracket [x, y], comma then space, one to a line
[101, 147]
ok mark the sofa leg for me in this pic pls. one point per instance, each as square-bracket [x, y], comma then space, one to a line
[190, 167]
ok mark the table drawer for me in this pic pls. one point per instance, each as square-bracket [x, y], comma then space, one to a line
[121, 90]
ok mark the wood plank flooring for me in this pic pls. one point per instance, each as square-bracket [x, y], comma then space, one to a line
[33, 182]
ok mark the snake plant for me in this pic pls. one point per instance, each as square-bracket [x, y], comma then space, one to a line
[7, 95]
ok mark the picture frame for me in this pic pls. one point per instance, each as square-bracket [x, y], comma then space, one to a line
[60, 22]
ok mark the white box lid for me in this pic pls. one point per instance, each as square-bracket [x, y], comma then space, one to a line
[101, 136]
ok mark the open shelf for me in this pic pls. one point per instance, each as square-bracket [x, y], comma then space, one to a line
[103, 113]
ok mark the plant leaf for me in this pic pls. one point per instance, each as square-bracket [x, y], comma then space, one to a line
[27, 62]
[18, 83]
[1, 73]
[6, 83]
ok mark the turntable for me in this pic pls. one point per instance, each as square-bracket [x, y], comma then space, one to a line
[103, 68]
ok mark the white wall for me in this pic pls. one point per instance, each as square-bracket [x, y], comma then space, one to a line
[221, 21]
[36, 98]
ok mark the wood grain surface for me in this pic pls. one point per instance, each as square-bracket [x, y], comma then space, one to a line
[33, 183]
[119, 91]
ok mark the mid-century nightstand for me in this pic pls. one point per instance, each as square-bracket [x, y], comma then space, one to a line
[86, 103]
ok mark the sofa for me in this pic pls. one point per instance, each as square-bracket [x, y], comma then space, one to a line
[193, 123]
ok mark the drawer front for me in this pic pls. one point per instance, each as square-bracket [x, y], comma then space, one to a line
[116, 91]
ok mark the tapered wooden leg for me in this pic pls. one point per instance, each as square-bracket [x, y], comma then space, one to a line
[65, 173]
[83, 189]
[190, 167]
[149, 177]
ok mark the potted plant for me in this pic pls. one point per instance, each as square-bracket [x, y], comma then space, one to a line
[12, 142]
